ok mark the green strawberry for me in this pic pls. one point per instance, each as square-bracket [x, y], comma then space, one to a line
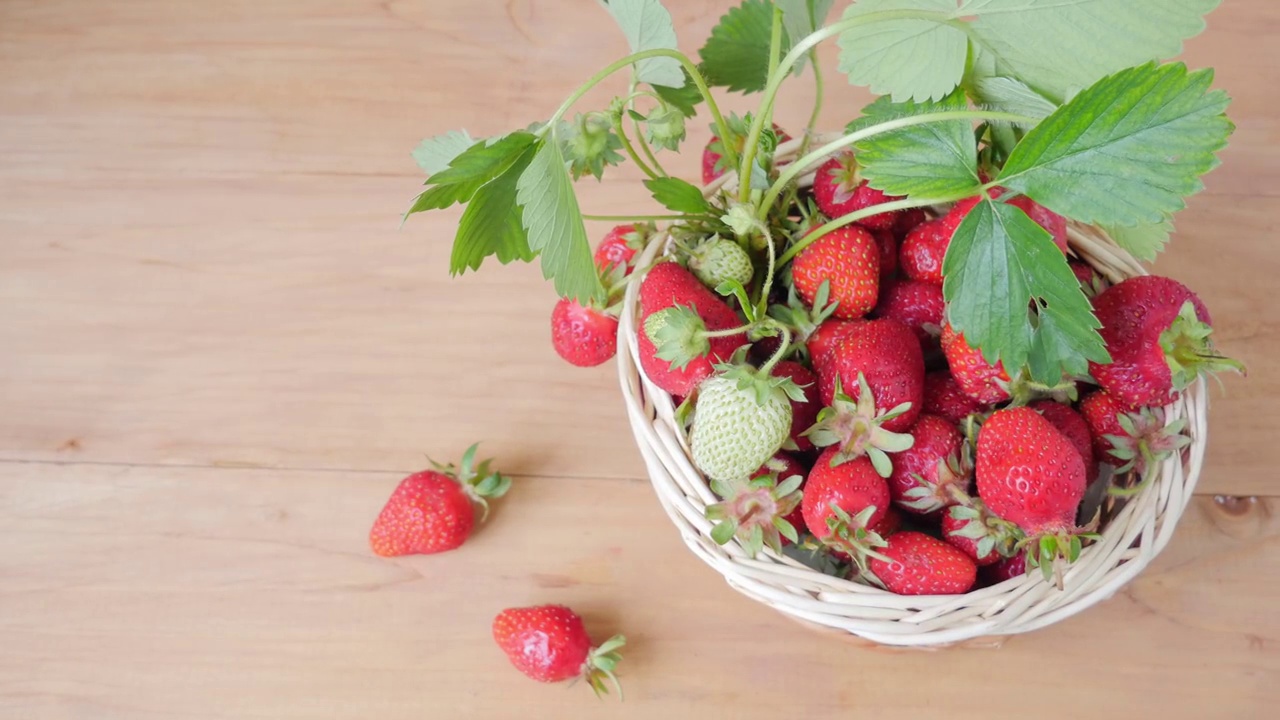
[718, 260]
[741, 418]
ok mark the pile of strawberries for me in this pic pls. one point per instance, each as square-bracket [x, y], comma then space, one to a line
[855, 426]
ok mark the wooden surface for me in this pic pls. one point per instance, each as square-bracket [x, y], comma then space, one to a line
[218, 355]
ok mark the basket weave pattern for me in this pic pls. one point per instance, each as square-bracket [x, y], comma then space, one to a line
[1130, 539]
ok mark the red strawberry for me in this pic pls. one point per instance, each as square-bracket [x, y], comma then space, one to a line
[619, 248]
[917, 305]
[973, 530]
[582, 335]
[1005, 569]
[433, 511]
[803, 414]
[920, 476]
[887, 243]
[951, 529]
[889, 524]
[713, 154]
[826, 337]
[1091, 281]
[782, 466]
[1073, 426]
[921, 565]
[841, 502]
[1053, 223]
[1102, 413]
[1159, 336]
[550, 644]
[978, 379]
[908, 220]
[923, 250]
[1131, 440]
[888, 355]
[943, 397]
[849, 259]
[839, 189]
[668, 285]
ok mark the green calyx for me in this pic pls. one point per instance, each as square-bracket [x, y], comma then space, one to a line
[1188, 348]
[799, 318]
[758, 382]
[983, 526]
[679, 334]
[851, 535]
[476, 480]
[590, 144]
[600, 665]
[1147, 441]
[755, 512]
[857, 428]
[1053, 552]
[717, 260]
[954, 475]
[664, 126]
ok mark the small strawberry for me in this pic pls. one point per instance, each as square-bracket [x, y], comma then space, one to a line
[717, 260]
[619, 248]
[923, 250]
[433, 511]
[1159, 336]
[915, 304]
[741, 418]
[826, 337]
[804, 413]
[1032, 476]
[1053, 223]
[780, 467]
[888, 355]
[713, 160]
[583, 335]
[944, 398]
[1073, 426]
[755, 511]
[975, 376]
[916, 564]
[550, 644]
[925, 474]
[848, 259]
[889, 524]
[1091, 281]
[839, 189]
[985, 538]
[668, 285]
[842, 501]
[1005, 569]
[1131, 440]
[1102, 413]
[907, 221]
[855, 428]
[887, 243]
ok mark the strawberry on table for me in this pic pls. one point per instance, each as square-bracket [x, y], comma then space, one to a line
[583, 335]
[549, 643]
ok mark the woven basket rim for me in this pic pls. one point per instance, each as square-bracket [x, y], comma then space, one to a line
[1129, 542]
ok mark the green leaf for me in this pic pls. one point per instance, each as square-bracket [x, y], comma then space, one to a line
[1127, 150]
[435, 153]
[684, 98]
[1011, 95]
[1056, 47]
[491, 224]
[554, 224]
[1144, 242]
[800, 18]
[998, 261]
[736, 55]
[932, 160]
[648, 26]
[678, 195]
[471, 169]
[907, 58]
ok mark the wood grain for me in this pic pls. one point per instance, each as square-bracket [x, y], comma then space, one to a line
[217, 349]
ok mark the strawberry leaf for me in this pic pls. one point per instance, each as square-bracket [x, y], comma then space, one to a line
[678, 195]
[998, 262]
[1144, 242]
[933, 160]
[555, 228]
[684, 98]
[800, 18]
[435, 153]
[491, 224]
[1011, 95]
[907, 58]
[736, 55]
[470, 170]
[1127, 150]
[647, 25]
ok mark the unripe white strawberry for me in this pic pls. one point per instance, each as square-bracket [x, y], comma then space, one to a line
[741, 419]
[718, 260]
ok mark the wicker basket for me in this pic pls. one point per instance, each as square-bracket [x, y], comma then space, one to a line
[1131, 538]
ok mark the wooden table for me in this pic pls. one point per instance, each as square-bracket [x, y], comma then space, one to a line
[218, 355]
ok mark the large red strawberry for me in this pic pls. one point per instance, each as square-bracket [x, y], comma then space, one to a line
[924, 473]
[803, 414]
[669, 285]
[619, 248]
[1159, 336]
[975, 376]
[923, 250]
[434, 510]
[887, 354]
[848, 259]
[841, 503]
[550, 644]
[943, 397]
[1055, 224]
[920, 565]
[1072, 425]
[839, 189]
[583, 335]
[917, 305]
[713, 159]
[826, 337]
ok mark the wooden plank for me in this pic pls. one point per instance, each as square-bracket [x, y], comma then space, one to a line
[141, 592]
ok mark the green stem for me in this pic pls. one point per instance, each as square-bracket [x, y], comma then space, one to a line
[854, 217]
[727, 332]
[621, 132]
[778, 354]
[637, 218]
[818, 94]
[721, 126]
[764, 116]
[815, 157]
[762, 306]
[644, 144]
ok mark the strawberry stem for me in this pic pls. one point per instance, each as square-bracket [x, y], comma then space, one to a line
[635, 124]
[637, 218]
[621, 132]
[851, 218]
[783, 345]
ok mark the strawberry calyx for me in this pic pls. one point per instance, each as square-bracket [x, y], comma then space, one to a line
[857, 427]
[755, 511]
[799, 318]
[1147, 441]
[600, 664]
[759, 381]
[850, 534]
[1024, 391]
[477, 481]
[847, 177]
[1052, 550]
[954, 475]
[983, 526]
[1189, 351]
[680, 335]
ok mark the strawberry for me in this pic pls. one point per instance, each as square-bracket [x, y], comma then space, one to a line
[908, 220]
[1005, 569]
[848, 259]
[1102, 413]
[841, 502]
[826, 337]
[1073, 426]
[718, 260]
[856, 428]
[1032, 476]
[758, 511]
[619, 248]
[741, 418]
[839, 189]
[1131, 440]
[887, 243]
[889, 524]
[944, 398]
[888, 355]
[916, 564]
[713, 160]
[1091, 281]
[669, 285]
[433, 511]
[915, 304]
[973, 530]
[550, 644]
[923, 250]
[975, 376]
[780, 467]
[804, 413]
[1159, 336]
[924, 474]
[583, 335]
[1053, 223]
